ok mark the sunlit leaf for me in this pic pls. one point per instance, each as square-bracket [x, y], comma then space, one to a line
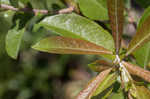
[88, 91]
[115, 10]
[65, 45]
[93, 9]
[142, 36]
[136, 70]
[13, 41]
[75, 26]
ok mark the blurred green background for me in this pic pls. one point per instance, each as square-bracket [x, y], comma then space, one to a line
[37, 75]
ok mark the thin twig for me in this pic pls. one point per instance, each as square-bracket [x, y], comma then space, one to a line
[36, 11]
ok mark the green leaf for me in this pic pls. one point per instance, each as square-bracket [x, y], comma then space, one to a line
[143, 93]
[145, 15]
[142, 55]
[118, 95]
[142, 36]
[75, 26]
[99, 65]
[13, 41]
[140, 92]
[115, 10]
[88, 91]
[65, 45]
[107, 82]
[93, 9]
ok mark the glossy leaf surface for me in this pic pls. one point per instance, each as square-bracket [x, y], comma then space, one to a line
[94, 9]
[65, 45]
[93, 85]
[13, 41]
[142, 36]
[115, 10]
[75, 26]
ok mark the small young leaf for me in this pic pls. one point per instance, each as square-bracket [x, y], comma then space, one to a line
[142, 55]
[115, 10]
[93, 9]
[65, 45]
[136, 70]
[107, 82]
[75, 26]
[93, 85]
[142, 36]
[13, 41]
[99, 65]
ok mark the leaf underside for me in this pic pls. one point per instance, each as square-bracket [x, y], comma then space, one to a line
[115, 10]
[65, 45]
[93, 85]
[138, 71]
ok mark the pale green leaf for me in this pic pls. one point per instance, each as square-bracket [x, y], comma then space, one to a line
[13, 41]
[142, 55]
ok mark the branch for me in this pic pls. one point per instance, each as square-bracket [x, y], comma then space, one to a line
[36, 11]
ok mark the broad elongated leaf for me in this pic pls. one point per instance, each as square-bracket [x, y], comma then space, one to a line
[94, 9]
[136, 70]
[65, 45]
[93, 85]
[13, 41]
[142, 55]
[142, 36]
[115, 10]
[75, 26]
